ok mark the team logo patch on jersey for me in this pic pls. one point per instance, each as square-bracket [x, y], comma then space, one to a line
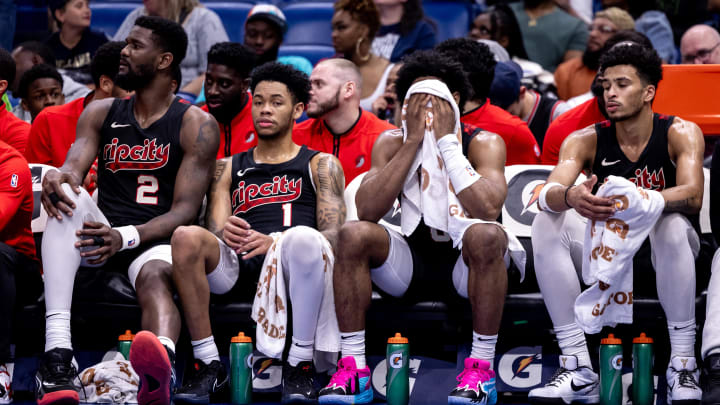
[360, 161]
[14, 180]
[148, 156]
[246, 197]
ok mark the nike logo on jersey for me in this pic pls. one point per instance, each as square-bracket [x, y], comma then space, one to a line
[116, 125]
[241, 173]
[577, 388]
[606, 163]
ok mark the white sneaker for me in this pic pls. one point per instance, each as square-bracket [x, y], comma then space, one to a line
[6, 394]
[570, 384]
[682, 379]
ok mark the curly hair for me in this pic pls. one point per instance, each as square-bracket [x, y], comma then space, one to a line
[296, 81]
[168, 36]
[363, 11]
[233, 55]
[476, 59]
[7, 67]
[106, 61]
[645, 60]
[436, 64]
[41, 71]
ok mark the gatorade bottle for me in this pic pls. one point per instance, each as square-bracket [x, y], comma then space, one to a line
[398, 371]
[642, 371]
[241, 350]
[611, 362]
[124, 343]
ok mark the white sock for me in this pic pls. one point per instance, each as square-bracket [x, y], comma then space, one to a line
[167, 342]
[57, 330]
[353, 344]
[571, 340]
[300, 350]
[682, 338]
[205, 350]
[483, 347]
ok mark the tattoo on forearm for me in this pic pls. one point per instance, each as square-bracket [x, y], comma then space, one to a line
[331, 183]
[219, 169]
[678, 206]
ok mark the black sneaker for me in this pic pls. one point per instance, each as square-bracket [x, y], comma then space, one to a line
[711, 389]
[55, 379]
[207, 380]
[298, 383]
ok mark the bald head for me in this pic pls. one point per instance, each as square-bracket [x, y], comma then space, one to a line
[700, 45]
[344, 70]
[336, 86]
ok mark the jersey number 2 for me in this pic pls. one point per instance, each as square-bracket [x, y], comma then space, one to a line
[147, 186]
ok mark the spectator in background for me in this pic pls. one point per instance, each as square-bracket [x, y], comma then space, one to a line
[354, 25]
[384, 107]
[700, 45]
[536, 110]
[202, 25]
[574, 77]
[40, 87]
[479, 65]
[226, 87]
[498, 23]
[550, 35]
[74, 45]
[8, 10]
[31, 53]
[404, 29]
[13, 130]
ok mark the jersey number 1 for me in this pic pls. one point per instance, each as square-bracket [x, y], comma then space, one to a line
[147, 186]
[287, 214]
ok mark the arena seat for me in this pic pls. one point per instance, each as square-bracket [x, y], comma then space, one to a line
[107, 17]
[452, 18]
[314, 53]
[233, 15]
[308, 23]
[690, 92]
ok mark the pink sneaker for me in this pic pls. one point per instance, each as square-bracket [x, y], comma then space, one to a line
[348, 385]
[476, 384]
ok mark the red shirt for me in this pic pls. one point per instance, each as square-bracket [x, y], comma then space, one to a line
[522, 148]
[239, 136]
[353, 148]
[53, 132]
[579, 117]
[16, 201]
[13, 130]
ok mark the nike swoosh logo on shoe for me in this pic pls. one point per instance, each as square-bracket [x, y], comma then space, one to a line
[577, 388]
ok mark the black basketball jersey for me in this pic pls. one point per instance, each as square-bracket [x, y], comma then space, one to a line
[540, 118]
[137, 167]
[273, 197]
[654, 170]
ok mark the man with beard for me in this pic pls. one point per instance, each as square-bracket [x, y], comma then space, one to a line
[656, 152]
[155, 155]
[226, 90]
[574, 77]
[301, 195]
[338, 125]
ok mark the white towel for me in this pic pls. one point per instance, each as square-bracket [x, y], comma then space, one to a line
[608, 254]
[111, 381]
[270, 305]
[427, 194]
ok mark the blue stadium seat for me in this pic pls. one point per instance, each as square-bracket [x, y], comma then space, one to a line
[309, 23]
[107, 17]
[233, 15]
[314, 53]
[452, 18]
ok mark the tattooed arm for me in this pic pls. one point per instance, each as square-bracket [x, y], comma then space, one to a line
[219, 208]
[330, 184]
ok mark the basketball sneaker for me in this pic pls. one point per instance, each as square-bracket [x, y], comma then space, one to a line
[711, 388]
[348, 385]
[153, 364]
[55, 380]
[207, 381]
[569, 385]
[476, 384]
[6, 394]
[298, 383]
[682, 379]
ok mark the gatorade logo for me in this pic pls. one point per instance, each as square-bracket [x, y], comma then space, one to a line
[617, 362]
[396, 360]
[521, 367]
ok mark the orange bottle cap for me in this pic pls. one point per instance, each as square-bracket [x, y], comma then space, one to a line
[611, 340]
[126, 336]
[241, 338]
[643, 339]
[398, 338]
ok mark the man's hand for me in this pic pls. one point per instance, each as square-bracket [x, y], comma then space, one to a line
[416, 113]
[443, 122]
[242, 239]
[379, 105]
[588, 205]
[255, 244]
[54, 198]
[107, 240]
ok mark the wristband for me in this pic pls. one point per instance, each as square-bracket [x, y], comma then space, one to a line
[462, 175]
[566, 193]
[542, 199]
[130, 237]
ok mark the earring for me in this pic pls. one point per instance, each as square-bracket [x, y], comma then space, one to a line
[357, 50]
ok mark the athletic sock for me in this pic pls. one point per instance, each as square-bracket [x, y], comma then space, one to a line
[205, 350]
[300, 350]
[57, 330]
[682, 338]
[483, 347]
[571, 340]
[353, 344]
[167, 342]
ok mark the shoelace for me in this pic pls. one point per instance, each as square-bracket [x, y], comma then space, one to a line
[341, 376]
[558, 377]
[687, 379]
[299, 376]
[201, 375]
[471, 376]
[66, 374]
